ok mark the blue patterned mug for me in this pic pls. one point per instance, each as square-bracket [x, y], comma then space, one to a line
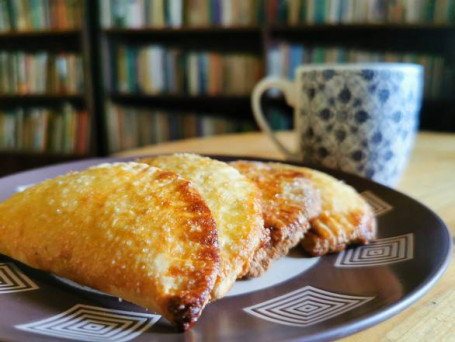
[359, 118]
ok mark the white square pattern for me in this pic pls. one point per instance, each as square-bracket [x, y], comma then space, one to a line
[378, 205]
[91, 323]
[380, 252]
[12, 279]
[305, 307]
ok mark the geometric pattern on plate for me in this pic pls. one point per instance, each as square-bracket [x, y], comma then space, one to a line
[13, 280]
[380, 252]
[91, 323]
[378, 205]
[305, 307]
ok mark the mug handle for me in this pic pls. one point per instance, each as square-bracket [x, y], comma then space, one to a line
[288, 88]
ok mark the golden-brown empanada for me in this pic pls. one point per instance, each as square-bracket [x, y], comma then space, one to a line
[289, 200]
[346, 218]
[127, 229]
[235, 204]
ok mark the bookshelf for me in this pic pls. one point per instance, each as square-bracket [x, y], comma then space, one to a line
[46, 100]
[225, 28]
[226, 44]
[397, 33]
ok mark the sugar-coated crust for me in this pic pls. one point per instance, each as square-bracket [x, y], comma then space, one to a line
[331, 234]
[346, 218]
[128, 229]
[289, 201]
[235, 203]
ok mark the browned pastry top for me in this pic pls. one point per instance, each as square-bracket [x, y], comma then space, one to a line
[128, 229]
[346, 218]
[289, 201]
[235, 203]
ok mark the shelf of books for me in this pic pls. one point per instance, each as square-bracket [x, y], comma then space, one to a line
[42, 72]
[40, 15]
[63, 130]
[131, 127]
[309, 12]
[209, 13]
[221, 40]
[41, 96]
[190, 87]
[43, 113]
[181, 13]
[188, 92]
[158, 69]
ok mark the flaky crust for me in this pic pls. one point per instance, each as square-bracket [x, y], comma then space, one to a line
[346, 218]
[235, 204]
[289, 201]
[128, 229]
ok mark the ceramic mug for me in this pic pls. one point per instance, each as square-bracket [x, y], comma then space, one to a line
[359, 118]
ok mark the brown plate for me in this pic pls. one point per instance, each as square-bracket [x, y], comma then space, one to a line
[299, 298]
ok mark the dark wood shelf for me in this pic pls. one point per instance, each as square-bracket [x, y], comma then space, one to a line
[234, 105]
[244, 39]
[411, 28]
[53, 40]
[40, 100]
[46, 154]
[40, 33]
[16, 161]
[416, 38]
[211, 30]
[438, 115]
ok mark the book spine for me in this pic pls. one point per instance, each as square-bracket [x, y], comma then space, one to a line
[193, 74]
[4, 16]
[170, 72]
[160, 54]
[121, 84]
[176, 13]
[203, 73]
[158, 13]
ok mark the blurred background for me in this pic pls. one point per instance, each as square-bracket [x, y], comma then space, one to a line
[85, 78]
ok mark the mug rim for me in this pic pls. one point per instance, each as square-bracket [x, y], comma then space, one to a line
[358, 66]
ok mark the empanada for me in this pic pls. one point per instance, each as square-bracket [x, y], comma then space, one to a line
[235, 204]
[346, 218]
[127, 229]
[289, 200]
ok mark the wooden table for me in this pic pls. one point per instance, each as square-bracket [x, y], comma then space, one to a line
[429, 178]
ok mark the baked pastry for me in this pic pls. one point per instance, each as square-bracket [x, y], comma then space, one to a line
[128, 229]
[289, 200]
[346, 218]
[235, 204]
